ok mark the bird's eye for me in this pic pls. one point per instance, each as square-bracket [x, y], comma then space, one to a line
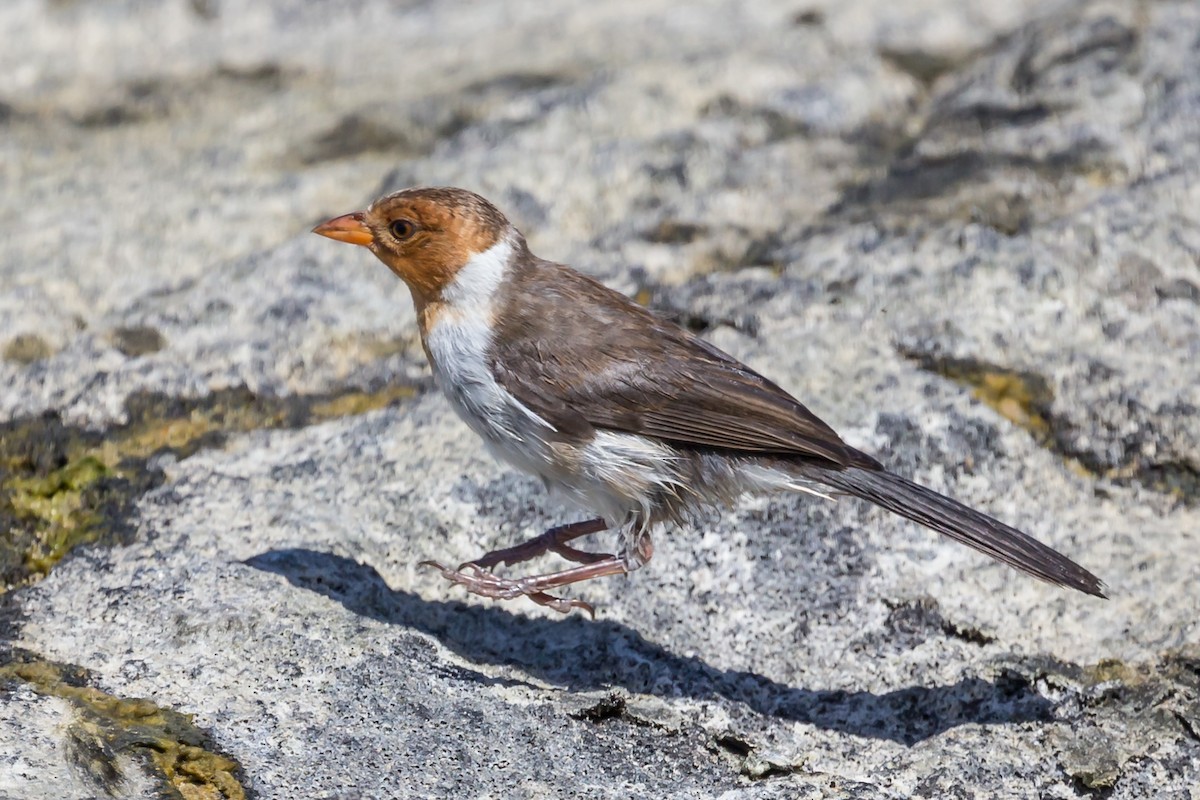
[402, 229]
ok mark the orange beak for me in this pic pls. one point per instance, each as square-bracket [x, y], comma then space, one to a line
[347, 228]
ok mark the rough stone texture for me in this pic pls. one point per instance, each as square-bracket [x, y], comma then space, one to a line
[40, 735]
[967, 234]
[35, 762]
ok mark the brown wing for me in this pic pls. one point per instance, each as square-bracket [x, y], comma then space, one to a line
[591, 358]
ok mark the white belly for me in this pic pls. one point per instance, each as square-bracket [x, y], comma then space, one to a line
[458, 351]
[613, 475]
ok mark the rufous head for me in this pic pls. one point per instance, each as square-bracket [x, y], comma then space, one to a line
[425, 236]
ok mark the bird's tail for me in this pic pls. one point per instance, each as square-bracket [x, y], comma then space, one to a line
[966, 525]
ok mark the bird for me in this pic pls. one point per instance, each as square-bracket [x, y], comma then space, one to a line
[631, 417]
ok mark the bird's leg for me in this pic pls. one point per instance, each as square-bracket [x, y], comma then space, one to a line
[477, 580]
[535, 587]
[554, 540]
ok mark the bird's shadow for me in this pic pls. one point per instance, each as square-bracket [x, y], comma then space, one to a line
[592, 655]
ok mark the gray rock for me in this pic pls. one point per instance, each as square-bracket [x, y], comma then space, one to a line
[965, 234]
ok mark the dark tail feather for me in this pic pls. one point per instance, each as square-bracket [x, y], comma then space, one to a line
[963, 524]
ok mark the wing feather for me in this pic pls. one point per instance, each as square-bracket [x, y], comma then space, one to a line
[584, 357]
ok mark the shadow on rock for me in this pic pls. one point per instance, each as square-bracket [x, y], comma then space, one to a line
[587, 655]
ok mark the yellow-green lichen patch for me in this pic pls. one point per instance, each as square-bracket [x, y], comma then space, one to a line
[62, 486]
[137, 340]
[354, 403]
[160, 423]
[107, 728]
[1015, 397]
[1026, 400]
[57, 503]
[57, 491]
[351, 351]
[1022, 398]
[27, 348]
[1113, 669]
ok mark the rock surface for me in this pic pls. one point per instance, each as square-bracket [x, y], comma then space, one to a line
[966, 234]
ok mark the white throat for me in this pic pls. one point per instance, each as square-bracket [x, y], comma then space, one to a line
[473, 289]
